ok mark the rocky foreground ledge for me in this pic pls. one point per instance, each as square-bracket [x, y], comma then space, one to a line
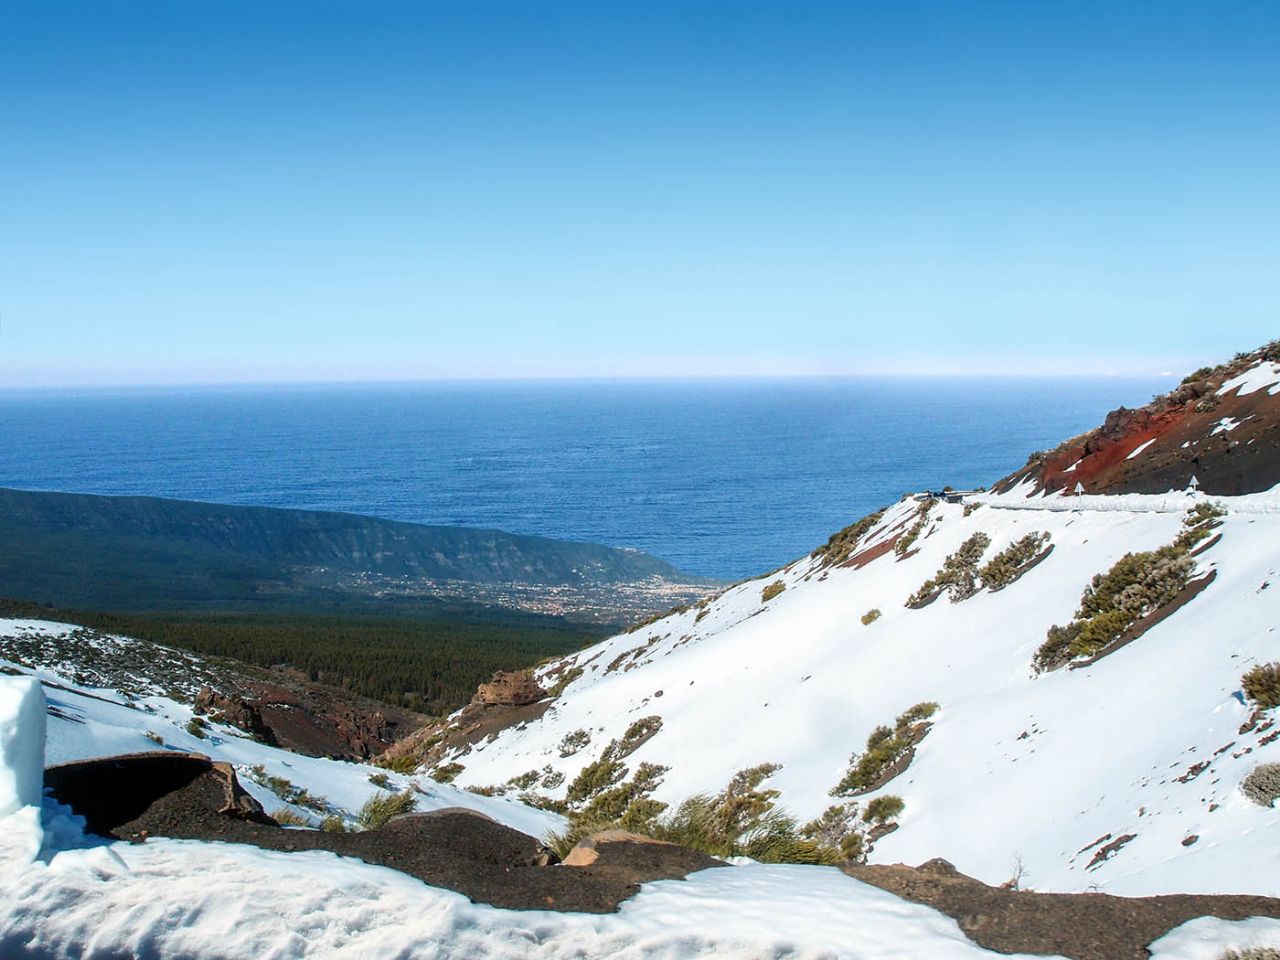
[139, 797]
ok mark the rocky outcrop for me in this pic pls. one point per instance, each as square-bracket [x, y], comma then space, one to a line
[1229, 442]
[507, 699]
[509, 689]
[235, 711]
[184, 796]
[309, 718]
[1082, 926]
[112, 793]
[634, 858]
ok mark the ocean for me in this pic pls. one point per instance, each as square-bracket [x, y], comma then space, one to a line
[724, 479]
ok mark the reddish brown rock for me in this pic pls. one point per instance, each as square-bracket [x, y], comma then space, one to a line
[1186, 437]
[514, 689]
[235, 711]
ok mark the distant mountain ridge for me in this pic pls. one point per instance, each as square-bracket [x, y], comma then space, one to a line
[1218, 426]
[102, 551]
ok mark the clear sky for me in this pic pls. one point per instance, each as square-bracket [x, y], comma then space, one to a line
[265, 191]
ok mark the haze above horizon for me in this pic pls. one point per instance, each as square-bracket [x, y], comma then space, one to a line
[283, 192]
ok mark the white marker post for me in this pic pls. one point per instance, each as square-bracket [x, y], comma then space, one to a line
[1193, 485]
[1079, 490]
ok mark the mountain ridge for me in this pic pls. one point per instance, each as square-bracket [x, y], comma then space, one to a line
[1138, 746]
[172, 553]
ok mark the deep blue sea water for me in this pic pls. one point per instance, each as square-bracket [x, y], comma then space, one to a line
[722, 478]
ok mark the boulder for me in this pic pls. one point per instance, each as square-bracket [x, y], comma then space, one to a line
[235, 711]
[634, 858]
[510, 689]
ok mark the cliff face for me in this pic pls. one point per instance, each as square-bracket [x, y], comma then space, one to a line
[1220, 426]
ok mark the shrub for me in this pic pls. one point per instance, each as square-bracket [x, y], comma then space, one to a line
[153, 737]
[381, 807]
[1011, 562]
[629, 804]
[1252, 953]
[1262, 685]
[286, 790]
[1197, 375]
[741, 820]
[883, 809]
[526, 780]
[287, 818]
[566, 677]
[1056, 649]
[1262, 785]
[959, 573]
[447, 772]
[334, 824]
[380, 780]
[1198, 523]
[838, 833]
[903, 546]
[197, 726]
[573, 742]
[885, 747]
[635, 736]
[401, 764]
[842, 544]
[969, 508]
[595, 777]
[772, 590]
[1135, 586]
[871, 616]
[551, 778]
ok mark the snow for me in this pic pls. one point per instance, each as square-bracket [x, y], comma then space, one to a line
[21, 744]
[88, 722]
[1264, 374]
[1225, 425]
[1137, 451]
[182, 898]
[22, 731]
[801, 682]
[1020, 772]
[1205, 938]
[216, 900]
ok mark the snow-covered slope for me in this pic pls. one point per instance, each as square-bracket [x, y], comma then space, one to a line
[65, 895]
[1021, 773]
[91, 721]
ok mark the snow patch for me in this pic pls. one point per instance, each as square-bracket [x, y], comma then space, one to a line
[22, 728]
[199, 900]
[1225, 425]
[1139, 448]
[1205, 938]
[1265, 374]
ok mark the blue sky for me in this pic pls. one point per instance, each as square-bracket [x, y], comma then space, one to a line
[230, 192]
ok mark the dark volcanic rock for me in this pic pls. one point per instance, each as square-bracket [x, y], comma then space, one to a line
[188, 797]
[1187, 435]
[1082, 926]
[113, 793]
[235, 711]
[637, 859]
